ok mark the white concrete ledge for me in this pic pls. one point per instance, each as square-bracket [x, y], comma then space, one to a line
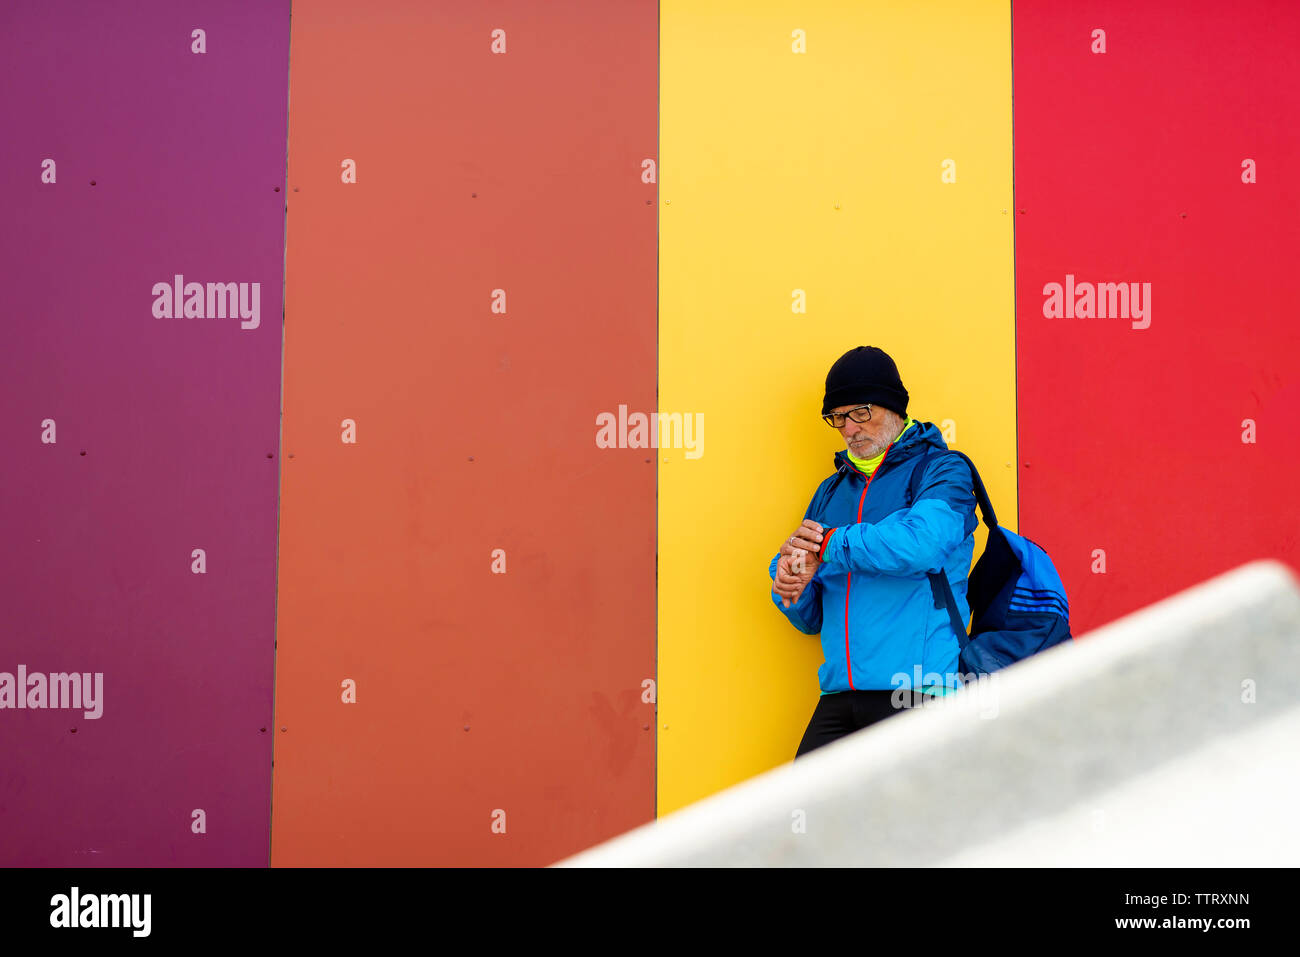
[1067, 758]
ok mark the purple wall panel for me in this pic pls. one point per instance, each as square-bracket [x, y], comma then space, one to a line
[167, 429]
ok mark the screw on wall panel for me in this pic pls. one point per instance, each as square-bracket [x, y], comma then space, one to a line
[1026, 465]
[263, 730]
[284, 729]
[466, 727]
[471, 458]
[1184, 215]
[269, 455]
[290, 455]
[277, 189]
[645, 727]
[649, 460]
[1022, 212]
[74, 730]
[295, 189]
[473, 195]
[92, 182]
[649, 202]
[83, 451]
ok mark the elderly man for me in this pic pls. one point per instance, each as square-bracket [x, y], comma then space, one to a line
[856, 568]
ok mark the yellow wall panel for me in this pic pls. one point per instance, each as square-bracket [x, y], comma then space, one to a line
[819, 171]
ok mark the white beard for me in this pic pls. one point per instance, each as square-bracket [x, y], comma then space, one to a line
[872, 450]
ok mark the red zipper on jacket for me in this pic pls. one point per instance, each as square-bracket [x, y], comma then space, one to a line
[847, 588]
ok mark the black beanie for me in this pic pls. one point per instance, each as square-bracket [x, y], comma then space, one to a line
[862, 375]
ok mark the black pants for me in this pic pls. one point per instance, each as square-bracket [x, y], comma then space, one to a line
[847, 711]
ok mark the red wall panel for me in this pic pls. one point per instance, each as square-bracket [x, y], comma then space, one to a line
[1129, 167]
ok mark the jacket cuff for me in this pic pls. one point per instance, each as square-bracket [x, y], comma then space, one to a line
[826, 540]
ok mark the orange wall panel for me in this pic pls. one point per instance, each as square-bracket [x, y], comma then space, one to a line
[470, 304]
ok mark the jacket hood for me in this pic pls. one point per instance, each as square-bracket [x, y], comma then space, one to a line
[913, 442]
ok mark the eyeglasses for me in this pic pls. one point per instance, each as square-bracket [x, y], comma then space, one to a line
[836, 419]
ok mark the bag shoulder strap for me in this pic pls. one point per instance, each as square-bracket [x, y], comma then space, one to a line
[981, 496]
[939, 580]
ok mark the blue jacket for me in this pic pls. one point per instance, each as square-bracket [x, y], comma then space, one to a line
[872, 583]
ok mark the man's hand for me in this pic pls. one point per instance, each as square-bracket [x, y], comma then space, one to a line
[798, 562]
[808, 536]
[788, 585]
